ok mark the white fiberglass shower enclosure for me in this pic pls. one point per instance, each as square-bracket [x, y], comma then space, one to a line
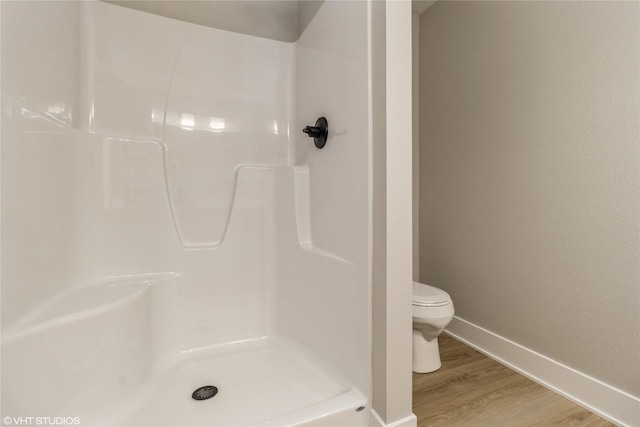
[166, 225]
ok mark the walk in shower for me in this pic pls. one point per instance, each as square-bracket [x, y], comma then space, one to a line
[167, 225]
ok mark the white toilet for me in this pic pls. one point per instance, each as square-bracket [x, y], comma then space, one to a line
[432, 312]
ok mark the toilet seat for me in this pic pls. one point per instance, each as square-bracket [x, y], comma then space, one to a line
[429, 296]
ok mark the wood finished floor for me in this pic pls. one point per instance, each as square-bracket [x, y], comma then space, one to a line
[473, 390]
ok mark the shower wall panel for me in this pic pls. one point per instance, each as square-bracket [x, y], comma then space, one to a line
[193, 118]
[323, 281]
[45, 240]
[139, 145]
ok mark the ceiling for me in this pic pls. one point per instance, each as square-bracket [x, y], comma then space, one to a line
[420, 6]
[281, 20]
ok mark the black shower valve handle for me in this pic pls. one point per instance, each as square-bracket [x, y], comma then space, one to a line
[319, 132]
[312, 131]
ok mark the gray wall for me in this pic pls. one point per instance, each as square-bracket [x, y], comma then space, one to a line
[529, 175]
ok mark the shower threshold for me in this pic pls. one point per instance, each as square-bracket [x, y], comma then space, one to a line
[258, 383]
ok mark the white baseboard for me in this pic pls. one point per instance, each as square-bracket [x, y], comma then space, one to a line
[608, 402]
[376, 421]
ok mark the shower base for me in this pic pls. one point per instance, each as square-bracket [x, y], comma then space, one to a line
[102, 369]
[259, 382]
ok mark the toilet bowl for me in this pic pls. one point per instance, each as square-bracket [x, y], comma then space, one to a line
[432, 312]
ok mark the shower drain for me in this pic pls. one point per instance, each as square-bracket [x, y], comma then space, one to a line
[205, 392]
